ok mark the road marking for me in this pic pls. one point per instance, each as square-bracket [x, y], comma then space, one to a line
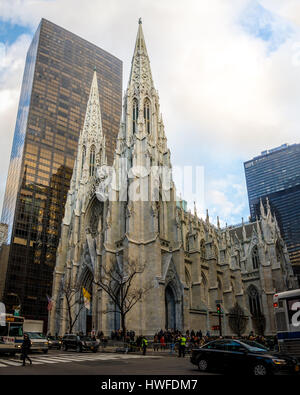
[9, 362]
[42, 360]
[65, 358]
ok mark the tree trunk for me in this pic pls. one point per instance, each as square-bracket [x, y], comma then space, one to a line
[123, 326]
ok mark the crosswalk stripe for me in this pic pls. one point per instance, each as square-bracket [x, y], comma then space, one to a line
[57, 359]
[9, 362]
[42, 360]
[48, 359]
[64, 358]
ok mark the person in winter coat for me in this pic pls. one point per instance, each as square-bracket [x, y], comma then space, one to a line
[25, 348]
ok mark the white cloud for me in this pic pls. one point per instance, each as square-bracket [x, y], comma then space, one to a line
[220, 88]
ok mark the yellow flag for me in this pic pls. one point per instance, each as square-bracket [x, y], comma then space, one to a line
[87, 298]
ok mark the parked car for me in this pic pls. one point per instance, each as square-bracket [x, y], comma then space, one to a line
[54, 342]
[248, 357]
[39, 342]
[79, 343]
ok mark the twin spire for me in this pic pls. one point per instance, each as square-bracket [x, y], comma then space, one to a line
[92, 126]
[140, 73]
[91, 145]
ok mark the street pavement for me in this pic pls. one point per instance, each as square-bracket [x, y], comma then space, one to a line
[100, 363]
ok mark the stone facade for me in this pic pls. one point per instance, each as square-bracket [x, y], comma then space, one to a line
[110, 220]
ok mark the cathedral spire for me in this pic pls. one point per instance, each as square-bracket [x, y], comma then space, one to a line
[91, 145]
[92, 127]
[262, 210]
[140, 75]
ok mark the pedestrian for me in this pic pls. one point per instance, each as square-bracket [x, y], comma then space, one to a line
[182, 343]
[162, 343]
[155, 343]
[25, 348]
[144, 345]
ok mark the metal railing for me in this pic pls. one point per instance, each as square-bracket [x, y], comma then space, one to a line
[127, 347]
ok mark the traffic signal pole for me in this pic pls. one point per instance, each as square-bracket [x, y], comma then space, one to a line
[220, 318]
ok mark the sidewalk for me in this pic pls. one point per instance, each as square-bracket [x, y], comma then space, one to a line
[123, 348]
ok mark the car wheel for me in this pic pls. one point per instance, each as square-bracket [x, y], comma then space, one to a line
[260, 370]
[203, 365]
[78, 349]
[65, 348]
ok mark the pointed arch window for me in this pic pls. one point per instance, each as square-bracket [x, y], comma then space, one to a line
[255, 258]
[83, 157]
[254, 302]
[135, 114]
[278, 252]
[147, 115]
[204, 288]
[92, 161]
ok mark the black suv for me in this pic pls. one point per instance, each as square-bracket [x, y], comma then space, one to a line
[248, 357]
[79, 343]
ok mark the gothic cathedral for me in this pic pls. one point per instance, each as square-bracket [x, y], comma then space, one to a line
[126, 213]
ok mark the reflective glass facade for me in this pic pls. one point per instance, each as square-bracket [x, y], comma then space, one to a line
[56, 83]
[276, 174]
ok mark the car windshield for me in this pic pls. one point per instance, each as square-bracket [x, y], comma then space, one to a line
[86, 338]
[34, 335]
[255, 346]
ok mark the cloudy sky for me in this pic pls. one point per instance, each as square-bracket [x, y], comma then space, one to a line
[227, 72]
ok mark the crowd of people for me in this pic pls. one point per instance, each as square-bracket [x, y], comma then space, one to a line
[171, 339]
[119, 335]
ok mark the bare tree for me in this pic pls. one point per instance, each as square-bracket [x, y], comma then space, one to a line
[237, 319]
[118, 282]
[71, 295]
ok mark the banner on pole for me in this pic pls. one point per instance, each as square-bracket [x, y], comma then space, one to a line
[87, 298]
[50, 303]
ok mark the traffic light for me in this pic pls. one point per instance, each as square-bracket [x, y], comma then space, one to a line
[218, 308]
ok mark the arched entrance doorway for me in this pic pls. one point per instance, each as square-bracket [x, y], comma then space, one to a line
[170, 309]
[85, 322]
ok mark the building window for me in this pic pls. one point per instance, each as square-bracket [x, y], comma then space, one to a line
[255, 258]
[147, 115]
[92, 161]
[254, 302]
[135, 114]
[278, 252]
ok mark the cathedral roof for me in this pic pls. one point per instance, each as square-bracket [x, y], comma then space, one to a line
[249, 228]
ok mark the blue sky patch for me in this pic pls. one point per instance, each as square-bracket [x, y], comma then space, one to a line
[10, 32]
[263, 24]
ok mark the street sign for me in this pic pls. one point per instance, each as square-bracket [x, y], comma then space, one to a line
[219, 301]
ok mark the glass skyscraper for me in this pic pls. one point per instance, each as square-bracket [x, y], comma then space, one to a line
[56, 84]
[276, 174]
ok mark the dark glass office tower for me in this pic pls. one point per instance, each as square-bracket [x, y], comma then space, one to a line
[276, 174]
[56, 84]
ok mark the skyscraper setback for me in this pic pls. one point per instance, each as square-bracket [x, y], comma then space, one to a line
[275, 175]
[58, 73]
